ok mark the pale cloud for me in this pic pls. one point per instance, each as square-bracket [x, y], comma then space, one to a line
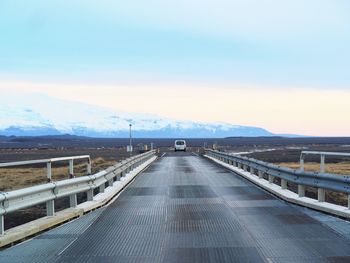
[281, 110]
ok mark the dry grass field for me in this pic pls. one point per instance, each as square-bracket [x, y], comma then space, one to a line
[342, 168]
[106, 152]
[17, 178]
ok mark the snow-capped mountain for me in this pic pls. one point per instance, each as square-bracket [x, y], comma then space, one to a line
[38, 114]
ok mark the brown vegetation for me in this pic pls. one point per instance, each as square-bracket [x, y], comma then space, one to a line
[342, 168]
[20, 177]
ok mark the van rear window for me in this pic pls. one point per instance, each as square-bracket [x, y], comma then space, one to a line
[180, 143]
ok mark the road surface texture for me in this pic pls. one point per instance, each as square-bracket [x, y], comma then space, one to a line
[184, 208]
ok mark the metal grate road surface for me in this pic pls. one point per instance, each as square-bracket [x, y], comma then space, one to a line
[186, 209]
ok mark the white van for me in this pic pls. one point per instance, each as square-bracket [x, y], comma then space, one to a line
[180, 145]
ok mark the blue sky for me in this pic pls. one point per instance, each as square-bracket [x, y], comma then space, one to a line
[280, 65]
[263, 41]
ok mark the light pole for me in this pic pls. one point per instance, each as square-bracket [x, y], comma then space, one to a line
[130, 142]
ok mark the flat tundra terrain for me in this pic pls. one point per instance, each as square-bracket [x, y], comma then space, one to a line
[283, 152]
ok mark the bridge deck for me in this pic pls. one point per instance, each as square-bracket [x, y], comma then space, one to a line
[186, 209]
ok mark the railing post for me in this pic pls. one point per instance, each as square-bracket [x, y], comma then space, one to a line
[349, 201]
[50, 208]
[260, 174]
[2, 225]
[321, 193]
[48, 171]
[283, 184]
[301, 190]
[110, 182]
[252, 170]
[271, 178]
[322, 164]
[73, 202]
[302, 162]
[71, 168]
[89, 166]
[90, 194]
[102, 188]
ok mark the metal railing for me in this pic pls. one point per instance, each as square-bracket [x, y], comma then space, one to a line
[322, 158]
[49, 162]
[321, 181]
[49, 192]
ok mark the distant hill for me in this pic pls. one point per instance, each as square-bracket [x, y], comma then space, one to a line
[37, 115]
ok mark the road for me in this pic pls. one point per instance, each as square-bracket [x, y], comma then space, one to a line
[184, 208]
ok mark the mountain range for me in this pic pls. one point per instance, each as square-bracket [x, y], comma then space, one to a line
[38, 114]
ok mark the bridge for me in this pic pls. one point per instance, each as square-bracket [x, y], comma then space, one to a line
[182, 207]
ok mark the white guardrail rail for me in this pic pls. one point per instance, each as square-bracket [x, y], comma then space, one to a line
[49, 162]
[49, 192]
[254, 171]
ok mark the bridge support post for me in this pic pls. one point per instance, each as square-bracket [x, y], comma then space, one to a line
[245, 167]
[73, 200]
[322, 164]
[302, 163]
[252, 170]
[301, 190]
[117, 178]
[48, 171]
[321, 193]
[71, 168]
[283, 184]
[102, 188]
[261, 174]
[348, 201]
[2, 225]
[271, 178]
[88, 167]
[50, 208]
[110, 182]
[90, 194]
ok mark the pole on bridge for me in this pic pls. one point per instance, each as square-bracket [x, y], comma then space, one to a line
[321, 193]
[50, 208]
[2, 225]
[130, 142]
[301, 190]
[48, 171]
[302, 162]
[322, 164]
[71, 168]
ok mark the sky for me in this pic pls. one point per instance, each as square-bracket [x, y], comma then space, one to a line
[279, 65]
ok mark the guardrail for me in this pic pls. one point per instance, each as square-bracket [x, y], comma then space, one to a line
[49, 164]
[321, 181]
[49, 192]
[322, 156]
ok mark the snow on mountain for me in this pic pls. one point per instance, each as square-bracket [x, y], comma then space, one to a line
[37, 114]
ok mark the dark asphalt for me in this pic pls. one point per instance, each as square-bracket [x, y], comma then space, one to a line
[184, 208]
